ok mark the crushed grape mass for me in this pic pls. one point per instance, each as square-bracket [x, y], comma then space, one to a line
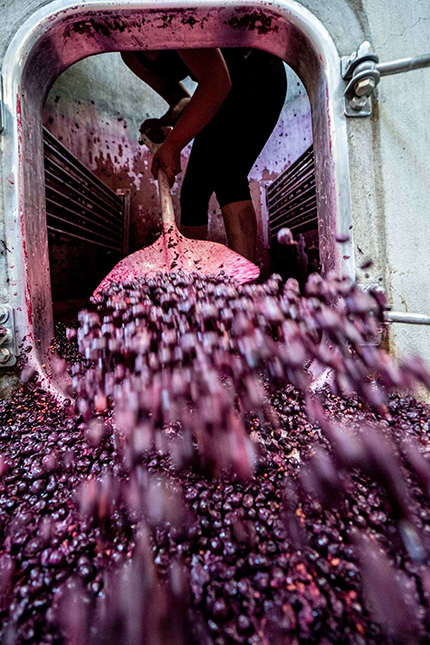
[198, 489]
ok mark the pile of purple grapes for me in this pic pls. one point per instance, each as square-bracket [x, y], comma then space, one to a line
[200, 489]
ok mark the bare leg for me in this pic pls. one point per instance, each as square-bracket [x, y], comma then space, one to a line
[241, 227]
[195, 232]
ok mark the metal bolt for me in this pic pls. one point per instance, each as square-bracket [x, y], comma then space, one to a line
[4, 315]
[4, 355]
[365, 86]
[5, 335]
[357, 103]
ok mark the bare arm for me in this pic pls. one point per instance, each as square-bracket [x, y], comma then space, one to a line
[171, 91]
[210, 70]
[214, 84]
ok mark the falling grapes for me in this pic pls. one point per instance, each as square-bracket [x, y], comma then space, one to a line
[199, 489]
[285, 236]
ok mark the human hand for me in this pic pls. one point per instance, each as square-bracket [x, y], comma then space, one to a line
[168, 159]
[154, 127]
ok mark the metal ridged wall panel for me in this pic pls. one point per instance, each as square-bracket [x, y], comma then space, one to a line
[78, 204]
[291, 198]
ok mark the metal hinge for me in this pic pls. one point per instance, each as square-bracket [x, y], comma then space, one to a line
[7, 337]
[363, 72]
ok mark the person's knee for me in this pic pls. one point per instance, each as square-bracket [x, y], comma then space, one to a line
[231, 189]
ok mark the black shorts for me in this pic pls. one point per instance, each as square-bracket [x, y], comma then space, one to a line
[225, 151]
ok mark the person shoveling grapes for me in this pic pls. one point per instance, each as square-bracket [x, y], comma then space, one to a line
[230, 116]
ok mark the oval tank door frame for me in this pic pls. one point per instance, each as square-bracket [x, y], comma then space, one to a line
[63, 32]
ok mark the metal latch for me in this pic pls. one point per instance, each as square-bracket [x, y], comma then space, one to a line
[7, 337]
[406, 317]
[389, 316]
[363, 71]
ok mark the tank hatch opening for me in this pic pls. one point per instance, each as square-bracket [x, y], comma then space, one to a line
[98, 180]
[61, 34]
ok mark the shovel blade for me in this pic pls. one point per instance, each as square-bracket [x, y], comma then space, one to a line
[174, 252]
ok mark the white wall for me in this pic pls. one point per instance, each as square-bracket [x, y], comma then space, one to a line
[400, 30]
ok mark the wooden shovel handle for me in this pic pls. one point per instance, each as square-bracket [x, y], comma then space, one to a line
[166, 204]
[167, 212]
